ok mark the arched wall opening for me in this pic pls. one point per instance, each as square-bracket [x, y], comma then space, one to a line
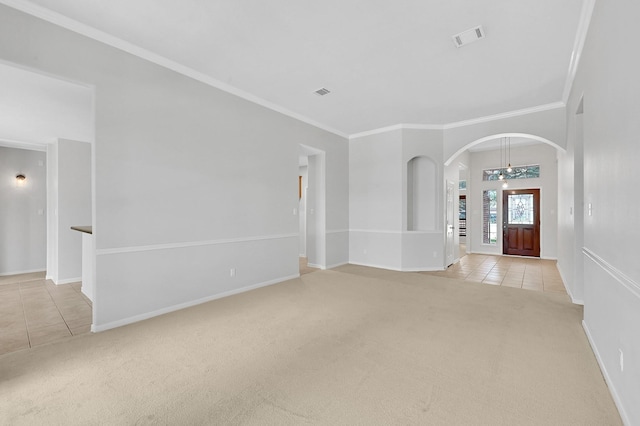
[484, 154]
[498, 136]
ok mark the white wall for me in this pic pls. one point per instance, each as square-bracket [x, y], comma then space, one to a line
[22, 211]
[190, 181]
[68, 204]
[608, 79]
[375, 200]
[541, 154]
[74, 206]
[378, 201]
[571, 210]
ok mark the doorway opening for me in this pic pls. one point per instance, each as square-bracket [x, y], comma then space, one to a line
[311, 209]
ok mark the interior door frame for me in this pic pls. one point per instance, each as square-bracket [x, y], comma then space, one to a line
[535, 252]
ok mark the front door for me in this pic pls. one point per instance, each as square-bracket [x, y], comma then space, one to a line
[521, 222]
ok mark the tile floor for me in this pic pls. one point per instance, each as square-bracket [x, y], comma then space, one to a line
[34, 311]
[520, 272]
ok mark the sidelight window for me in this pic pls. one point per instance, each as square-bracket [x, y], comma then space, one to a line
[490, 216]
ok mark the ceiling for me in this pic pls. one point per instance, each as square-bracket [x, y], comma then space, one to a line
[385, 62]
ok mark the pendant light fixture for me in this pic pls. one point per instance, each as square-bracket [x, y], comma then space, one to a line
[503, 161]
[501, 176]
[509, 169]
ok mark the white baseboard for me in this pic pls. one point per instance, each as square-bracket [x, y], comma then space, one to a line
[314, 265]
[607, 378]
[393, 268]
[148, 315]
[335, 265]
[67, 281]
[30, 271]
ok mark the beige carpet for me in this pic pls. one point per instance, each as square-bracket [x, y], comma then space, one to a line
[352, 346]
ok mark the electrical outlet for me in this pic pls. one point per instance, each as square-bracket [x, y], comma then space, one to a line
[232, 272]
[621, 359]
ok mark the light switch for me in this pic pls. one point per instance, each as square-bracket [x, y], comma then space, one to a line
[40, 212]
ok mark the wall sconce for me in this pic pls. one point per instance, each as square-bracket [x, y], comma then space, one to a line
[20, 180]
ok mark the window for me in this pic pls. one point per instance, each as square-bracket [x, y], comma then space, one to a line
[490, 216]
[519, 172]
[462, 215]
[521, 209]
[462, 185]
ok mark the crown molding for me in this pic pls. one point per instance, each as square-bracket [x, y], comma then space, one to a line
[95, 34]
[30, 145]
[503, 115]
[578, 46]
[396, 127]
[479, 120]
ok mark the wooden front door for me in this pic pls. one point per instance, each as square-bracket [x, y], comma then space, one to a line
[521, 222]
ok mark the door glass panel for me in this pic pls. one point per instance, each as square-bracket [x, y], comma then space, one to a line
[521, 209]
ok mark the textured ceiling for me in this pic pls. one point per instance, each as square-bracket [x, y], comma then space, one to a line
[385, 62]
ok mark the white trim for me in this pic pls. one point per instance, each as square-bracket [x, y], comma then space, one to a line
[376, 131]
[335, 265]
[43, 73]
[396, 127]
[503, 115]
[30, 271]
[548, 258]
[387, 231]
[141, 317]
[564, 282]
[453, 125]
[337, 231]
[316, 266]
[372, 265]
[502, 135]
[434, 269]
[375, 231]
[170, 246]
[68, 281]
[578, 46]
[95, 34]
[394, 268]
[30, 145]
[617, 274]
[614, 393]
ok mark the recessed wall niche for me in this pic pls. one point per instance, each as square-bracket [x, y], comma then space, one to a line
[421, 194]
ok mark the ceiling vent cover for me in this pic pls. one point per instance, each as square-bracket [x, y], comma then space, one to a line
[322, 92]
[469, 36]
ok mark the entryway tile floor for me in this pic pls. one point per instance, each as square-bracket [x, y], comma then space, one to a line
[34, 311]
[519, 272]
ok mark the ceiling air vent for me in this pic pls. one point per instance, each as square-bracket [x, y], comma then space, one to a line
[469, 36]
[322, 92]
